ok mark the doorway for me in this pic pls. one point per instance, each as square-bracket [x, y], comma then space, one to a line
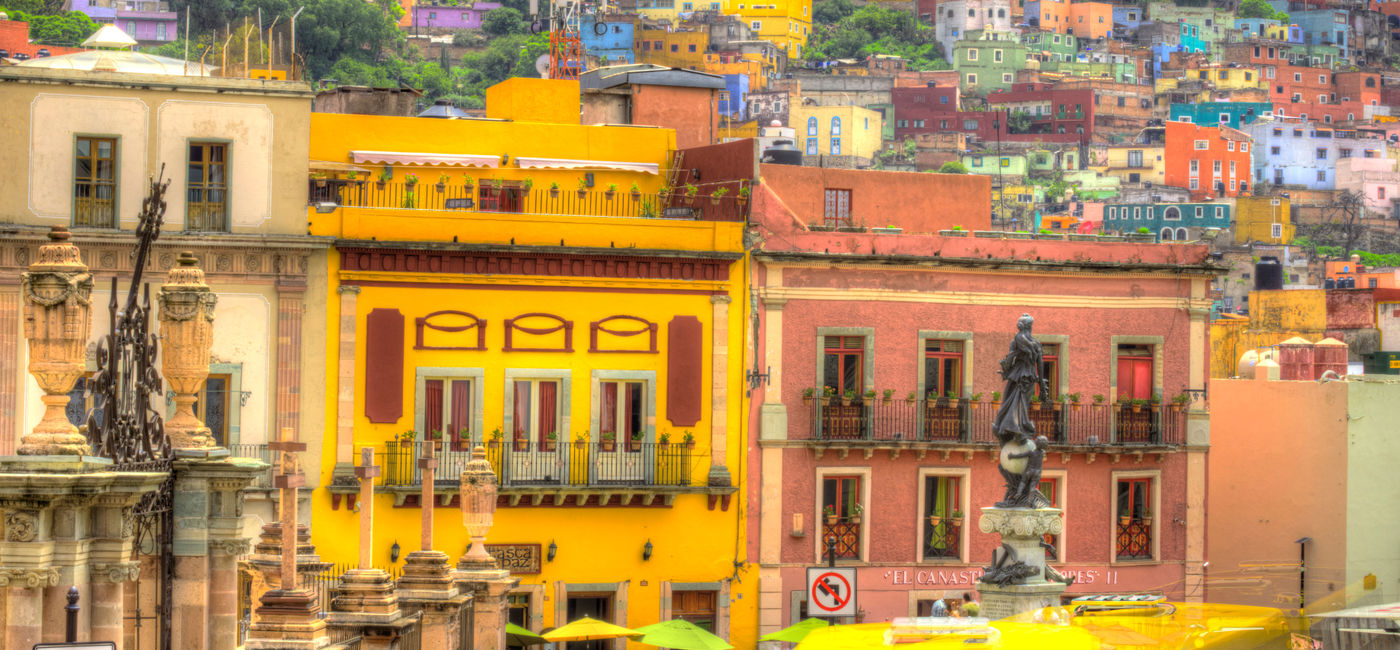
[596, 606]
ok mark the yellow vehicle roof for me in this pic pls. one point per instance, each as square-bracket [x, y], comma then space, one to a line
[1014, 636]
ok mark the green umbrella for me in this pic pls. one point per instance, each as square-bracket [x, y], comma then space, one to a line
[519, 636]
[681, 634]
[797, 632]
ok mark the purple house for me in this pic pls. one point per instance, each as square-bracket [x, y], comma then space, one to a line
[147, 21]
[426, 16]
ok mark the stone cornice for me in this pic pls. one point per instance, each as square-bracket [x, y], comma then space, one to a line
[998, 264]
[223, 257]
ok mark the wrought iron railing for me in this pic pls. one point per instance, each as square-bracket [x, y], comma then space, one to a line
[846, 535]
[1134, 539]
[260, 452]
[529, 463]
[94, 212]
[963, 421]
[487, 198]
[206, 216]
[943, 540]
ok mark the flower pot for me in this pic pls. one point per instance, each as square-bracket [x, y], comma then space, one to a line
[1059, 406]
[1125, 520]
[494, 444]
[609, 195]
[887, 400]
[553, 192]
[320, 182]
[957, 521]
[1137, 408]
[845, 401]
[606, 445]
[806, 399]
[714, 201]
[522, 445]
[973, 405]
[831, 520]
[1074, 406]
[582, 194]
[634, 445]
[690, 445]
[381, 184]
[442, 187]
[934, 520]
[855, 519]
[636, 195]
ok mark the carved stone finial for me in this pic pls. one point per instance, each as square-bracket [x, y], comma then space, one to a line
[187, 329]
[57, 293]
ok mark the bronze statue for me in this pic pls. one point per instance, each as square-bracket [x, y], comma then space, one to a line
[1022, 451]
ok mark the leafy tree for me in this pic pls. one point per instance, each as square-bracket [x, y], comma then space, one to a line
[207, 15]
[70, 28]
[952, 167]
[830, 12]
[41, 7]
[328, 30]
[855, 36]
[1018, 122]
[503, 22]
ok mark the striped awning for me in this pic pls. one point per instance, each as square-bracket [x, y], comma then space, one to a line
[413, 158]
[567, 163]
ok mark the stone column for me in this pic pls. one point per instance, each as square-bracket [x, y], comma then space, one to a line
[719, 393]
[1022, 530]
[290, 305]
[366, 600]
[478, 573]
[345, 376]
[57, 292]
[427, 584]
[24, 607]
[490, 607]
[11, 395]
[107, 612]
[187, 334]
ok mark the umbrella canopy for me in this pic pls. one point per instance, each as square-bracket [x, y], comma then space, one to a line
[109, 36]
[681, 634]
[796, 633]
[519, 636]
[589, 629]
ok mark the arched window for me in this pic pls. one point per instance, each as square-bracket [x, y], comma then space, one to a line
[811, 126]
[1370, 82]
[1181, 234]
[1166, 234]
[835, 126]
[1001, 13]
[1172, 214]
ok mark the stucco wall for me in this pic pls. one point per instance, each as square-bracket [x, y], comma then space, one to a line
[1373, 528]
[1351, 309]
[918, 202]
[1294, 436]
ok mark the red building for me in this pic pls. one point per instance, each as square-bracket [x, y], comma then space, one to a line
[934, 109]
[1052, 110]
[14, 39]
[1210, 161]
[874, 427]
[1308, 92]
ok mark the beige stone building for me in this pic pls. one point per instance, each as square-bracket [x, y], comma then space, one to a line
[82, 146]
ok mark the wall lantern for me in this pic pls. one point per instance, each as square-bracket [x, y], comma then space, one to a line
[646, 551]
[553, 548]
[394, 552]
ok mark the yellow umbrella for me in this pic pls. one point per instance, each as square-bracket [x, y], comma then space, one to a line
[589, 629]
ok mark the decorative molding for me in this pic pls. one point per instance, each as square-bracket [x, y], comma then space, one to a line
[638, 267]
[567, 326]
[29, 578]
[647, 327]
[21, 525]
[226, 259]
[1021, 521]
[116, 572]
[236, 547]
[422, 323]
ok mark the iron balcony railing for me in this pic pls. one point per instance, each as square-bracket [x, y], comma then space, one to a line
[577, 464]
[845, 532]
[260, 452]
[1133, 539]
[487, 198]
[942, 540]
[962, 422]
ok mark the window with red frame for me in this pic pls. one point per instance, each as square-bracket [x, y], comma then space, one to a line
[1050, 367]
[621, 409]
[1134, 371]
[447, 408]
[1134, 525]
[943, 367]
[1050, 487]
[500, 199]
[840, 495]
[843, 365]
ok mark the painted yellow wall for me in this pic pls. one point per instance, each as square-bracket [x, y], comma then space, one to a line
[1153, 159]
[1255, 217]
[786, 24]
[860, 129]
[683, 56]
[1274, 317]
[527, 99]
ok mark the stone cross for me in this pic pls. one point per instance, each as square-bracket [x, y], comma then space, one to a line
[428, 463]
[287, 481]
[366, 472]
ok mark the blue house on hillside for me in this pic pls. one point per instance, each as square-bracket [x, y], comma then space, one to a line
[1236, 114]
[1168, 221]
[735, 99]
[610, 40]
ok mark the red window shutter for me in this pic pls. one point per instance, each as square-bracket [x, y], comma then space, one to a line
[684, 362]
[384, 342]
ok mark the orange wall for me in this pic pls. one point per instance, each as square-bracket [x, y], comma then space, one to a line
[917, 202]
[527, 99]
[1180, 151]
[692, 112]
[1278, 472]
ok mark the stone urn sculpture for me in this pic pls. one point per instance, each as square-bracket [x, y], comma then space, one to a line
[57, 292]
[187, 333]
[478, 501]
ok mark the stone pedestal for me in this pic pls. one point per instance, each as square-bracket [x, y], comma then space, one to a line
[1022, 530]
[366, 605]
[267, 557]
[287, 620]
[490, 608]
[427, 586]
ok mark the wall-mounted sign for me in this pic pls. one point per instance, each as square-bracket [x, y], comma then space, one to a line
[967, 577]
[459, 204]
[516, 558]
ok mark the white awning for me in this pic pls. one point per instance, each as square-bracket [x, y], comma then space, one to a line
[566, 163]
[411, 158]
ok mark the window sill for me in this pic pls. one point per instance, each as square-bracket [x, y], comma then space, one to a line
[1130, 563]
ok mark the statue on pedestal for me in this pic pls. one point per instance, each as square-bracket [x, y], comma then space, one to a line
[1022, 451]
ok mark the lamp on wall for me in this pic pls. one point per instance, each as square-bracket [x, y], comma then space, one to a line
[394, 552]
[553, 548]
[646, 551]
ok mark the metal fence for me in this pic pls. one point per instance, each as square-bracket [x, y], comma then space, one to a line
[260, 452]
[950, 421]
[485, 197]
[526, 463]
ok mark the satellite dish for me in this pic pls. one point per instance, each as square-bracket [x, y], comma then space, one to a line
[542, 65]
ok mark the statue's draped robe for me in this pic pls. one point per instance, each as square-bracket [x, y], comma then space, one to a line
[1021, 369]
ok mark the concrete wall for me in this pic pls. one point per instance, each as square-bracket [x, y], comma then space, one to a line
[918, 202]
[1294, 433]
[1373, 533]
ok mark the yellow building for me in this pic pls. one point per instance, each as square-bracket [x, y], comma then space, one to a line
[836, 130]
[1016, 201]
[597, 355]
[1265, 219]
[1133, 163]
[785, 23]
[684, 49]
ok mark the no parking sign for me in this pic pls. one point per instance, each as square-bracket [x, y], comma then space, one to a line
[831, 592]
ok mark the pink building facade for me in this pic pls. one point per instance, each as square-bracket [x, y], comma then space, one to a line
[1375, 178]
[897, 478]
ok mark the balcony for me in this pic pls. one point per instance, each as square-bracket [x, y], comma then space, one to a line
[944, 539]
[1133, 539]
[514, 198]
[263, 481]
[543, 473]
[846, 535]
[944, 423]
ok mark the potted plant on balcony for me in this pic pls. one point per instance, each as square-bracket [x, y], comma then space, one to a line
[663, 441]
[610, 192]
[498, 183]
[830, 513]
[807, 394]
[856, 511]
[718, 194]
[911, 397]
[385, 175]
[690, 192]
[636, 192]
[1154, 400]
[935, 519]
[320, 178]
[554, 190]
[436, 437]
[953, 399]
[550, 440]
[353, 177]
[411, 180]
[974, 400]
[405, 439]
[996, 399]
[582, 187]
[1060, 401]
[956, 517]
[1035, 401]
[1125, 518]
[608, 441]
[889, 395]
[848, 397]
[581, 441]
[688, 440]
[526, 184]
[1074, 401]
[464, 439]
[522, 441]
[1180, 401]
[828, 393]
[1136, 404]
[665, 194]
[635, 444]
[869, 396]
[467, 181]
[1146, 516]
[442, 183]
[495, 440]
[1098, 399]
[742, 197]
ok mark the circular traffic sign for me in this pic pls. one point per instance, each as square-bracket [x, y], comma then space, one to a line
[831, 591]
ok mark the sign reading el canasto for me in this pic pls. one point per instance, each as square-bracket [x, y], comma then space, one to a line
[521, 559]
